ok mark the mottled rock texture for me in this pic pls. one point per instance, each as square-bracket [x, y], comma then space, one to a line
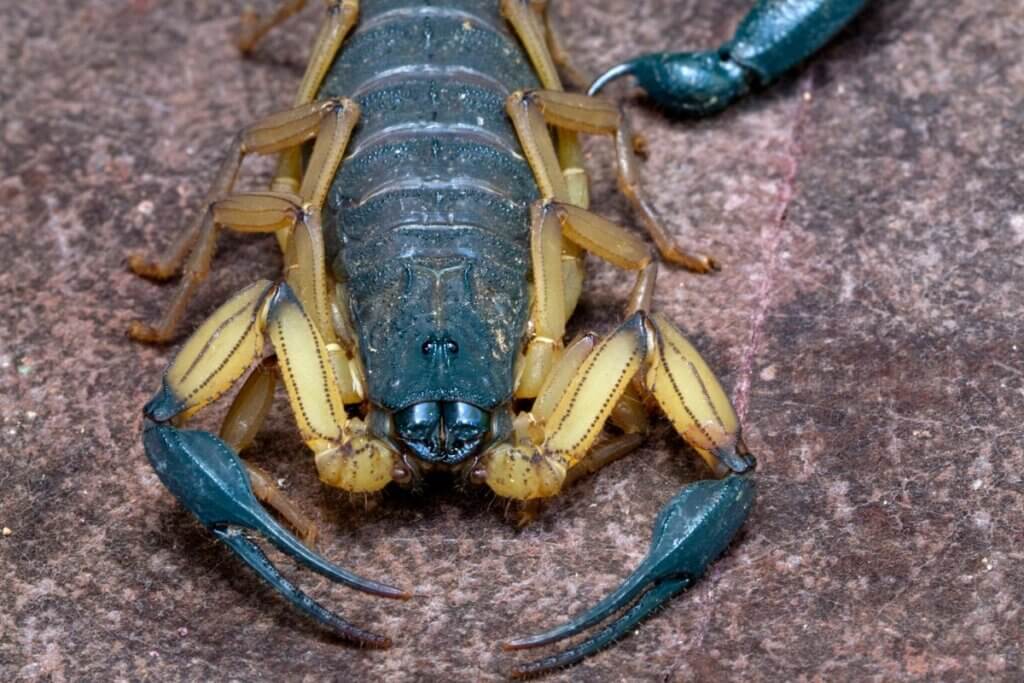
[869, 211]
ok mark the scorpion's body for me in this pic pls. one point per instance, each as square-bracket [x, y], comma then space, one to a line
[428, 217]
[433, 235]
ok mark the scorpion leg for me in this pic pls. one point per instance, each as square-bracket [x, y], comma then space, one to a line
[586, 114]
[528, 21]
[559, 55]
[330, 121]
[254, 27]
[341, 17]
[552, 221]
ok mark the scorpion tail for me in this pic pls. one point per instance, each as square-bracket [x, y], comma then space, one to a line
[691, 531]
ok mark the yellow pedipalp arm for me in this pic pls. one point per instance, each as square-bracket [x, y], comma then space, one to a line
[307, 371]
[560, 377]
[220, 351]
[363, 465]
[691, 396]
[306, 275]
[593, 393]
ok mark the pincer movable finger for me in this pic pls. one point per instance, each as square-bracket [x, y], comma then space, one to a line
[255, 558]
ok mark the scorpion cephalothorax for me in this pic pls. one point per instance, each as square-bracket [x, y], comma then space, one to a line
[432, 207]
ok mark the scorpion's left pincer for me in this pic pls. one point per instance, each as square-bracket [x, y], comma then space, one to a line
[204, 471]
[210, 480]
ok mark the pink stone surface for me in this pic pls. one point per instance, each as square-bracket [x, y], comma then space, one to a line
[869, 212]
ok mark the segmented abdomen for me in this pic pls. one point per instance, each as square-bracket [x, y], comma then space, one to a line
[427, 218]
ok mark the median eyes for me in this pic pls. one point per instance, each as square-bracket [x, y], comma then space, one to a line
[432, 345]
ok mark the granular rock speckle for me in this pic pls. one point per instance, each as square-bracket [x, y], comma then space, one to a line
[869, 213]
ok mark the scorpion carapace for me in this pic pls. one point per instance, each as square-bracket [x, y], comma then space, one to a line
[432, 207]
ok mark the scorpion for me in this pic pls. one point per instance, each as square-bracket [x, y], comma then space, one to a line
[431, 204]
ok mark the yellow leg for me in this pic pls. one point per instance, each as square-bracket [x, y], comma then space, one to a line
[254, 27]
[548, 315]
[330, 122]
[559, 55]
[586, 114]
[551, 222]
[340, 18]
[243, 421]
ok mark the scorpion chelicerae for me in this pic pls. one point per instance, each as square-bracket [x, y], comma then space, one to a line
[432, 207]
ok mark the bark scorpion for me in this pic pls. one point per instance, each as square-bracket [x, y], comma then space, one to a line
[431, 205]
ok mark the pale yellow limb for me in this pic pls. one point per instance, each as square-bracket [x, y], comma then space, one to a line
[630, 412]
[220, 351]
[224, 347]
[593, 393]
[240, 426]
[558, 379]
[643, 290]
[306, 370]
[528, 469]
[587, 114]
[529, 23]
[601, 388]
[270, 494]
[602, 237]
[559, 55]
[537, 145]
[548, 315]
[259, 212]
[529, 28]
[254, 27]
[692, 398]
[550, 222]
[198, 242]
[347, 457]
[249, 409]
[306, 274]
[340, 18]
[604, 454]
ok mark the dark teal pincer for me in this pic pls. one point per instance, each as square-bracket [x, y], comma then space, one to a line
[773, 38]
[691, 531]
[209, 479]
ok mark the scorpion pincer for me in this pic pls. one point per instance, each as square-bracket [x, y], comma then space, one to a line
[432, 208]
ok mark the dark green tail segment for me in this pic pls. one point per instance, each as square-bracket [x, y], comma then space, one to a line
[773, 38]
[691, 531]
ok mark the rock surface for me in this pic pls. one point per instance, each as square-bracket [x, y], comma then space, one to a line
[869, 211]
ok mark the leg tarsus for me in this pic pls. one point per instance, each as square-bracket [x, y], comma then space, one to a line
[196, 270]
[269, 493]
[253, 28]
